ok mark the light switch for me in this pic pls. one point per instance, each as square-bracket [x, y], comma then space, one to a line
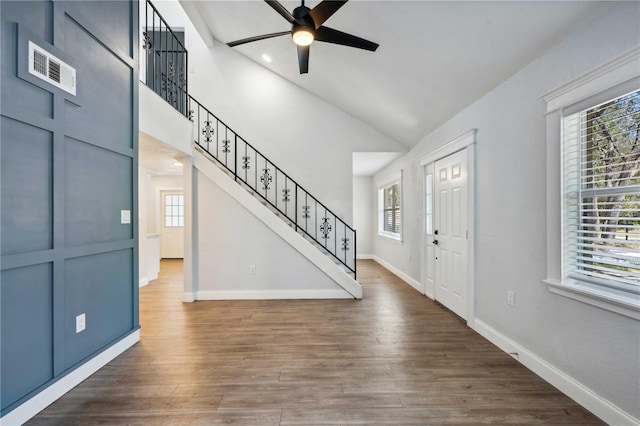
[125, 216]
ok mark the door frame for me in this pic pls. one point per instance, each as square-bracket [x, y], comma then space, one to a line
[162, 213]
[466, 142]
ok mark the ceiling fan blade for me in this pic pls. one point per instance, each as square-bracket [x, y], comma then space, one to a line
[256, 38]
[282, 11]
[303, 59]
[329, 35]
[324, 10]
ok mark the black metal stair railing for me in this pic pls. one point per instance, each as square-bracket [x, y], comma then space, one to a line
[164, 65]
[250, 167]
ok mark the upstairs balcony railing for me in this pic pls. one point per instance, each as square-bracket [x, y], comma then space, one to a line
[164, 59]
[270, 183]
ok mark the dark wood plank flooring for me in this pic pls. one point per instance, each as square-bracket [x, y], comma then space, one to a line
[393, 358]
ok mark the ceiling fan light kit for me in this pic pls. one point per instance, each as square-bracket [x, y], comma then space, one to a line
[306, 27]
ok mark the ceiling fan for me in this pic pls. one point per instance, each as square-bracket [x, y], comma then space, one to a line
[306, 27]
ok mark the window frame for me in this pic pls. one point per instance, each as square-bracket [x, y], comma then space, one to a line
[382, 186]
[612, 79]
[179, 216]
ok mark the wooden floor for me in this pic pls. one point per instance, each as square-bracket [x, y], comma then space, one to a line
[393, 358]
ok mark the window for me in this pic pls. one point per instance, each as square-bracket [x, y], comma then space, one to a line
[593, 187]
[428, 200]
[390, 210]
[601, 195]
[174, 210]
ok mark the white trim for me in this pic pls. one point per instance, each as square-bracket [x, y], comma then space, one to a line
[188, 297]
[143, 281]
[465, 141]
[459, 143]
[272, 294]
[584, 396]
[398, 179]
[595, 298]
[43, 399]
[396, 238]
[365, 256]
[614, 72]
[397, 272]
[277, 225]
[471, 229]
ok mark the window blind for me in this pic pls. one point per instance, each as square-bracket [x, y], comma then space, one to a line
[601, 178]
[391, 208]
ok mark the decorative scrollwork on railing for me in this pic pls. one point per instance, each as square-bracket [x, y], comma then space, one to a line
[207, 131]
[265, 179]
[303, 212]
[245, 162]
[325, 228]
[164, 61]
[146, 43]
[190, 114]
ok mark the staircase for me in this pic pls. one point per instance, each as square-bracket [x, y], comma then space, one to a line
[276, 190]
[309, 226]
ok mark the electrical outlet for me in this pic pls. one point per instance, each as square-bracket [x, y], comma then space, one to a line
[81, 323]
[511, 298]
[252, 269]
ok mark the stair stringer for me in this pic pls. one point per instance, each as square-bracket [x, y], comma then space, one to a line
[273, 222]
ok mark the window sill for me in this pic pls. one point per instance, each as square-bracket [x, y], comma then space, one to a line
[391, 237]
[623, 305]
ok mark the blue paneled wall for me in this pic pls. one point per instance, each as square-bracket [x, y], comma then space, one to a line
[68, 166]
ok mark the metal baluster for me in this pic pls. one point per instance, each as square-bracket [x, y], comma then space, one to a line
[296, 206]
[335, 235]
[186, 75]
[146, 41]
[153, 51]
[355, 259]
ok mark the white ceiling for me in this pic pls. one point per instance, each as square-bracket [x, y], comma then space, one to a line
[157, 157]
[435, 57]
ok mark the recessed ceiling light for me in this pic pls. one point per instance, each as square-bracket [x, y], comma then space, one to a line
[266, 58]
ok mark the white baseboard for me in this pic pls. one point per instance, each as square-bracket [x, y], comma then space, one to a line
[404, 277]
[272, 294]
[584, 396]
[188, 297]
[42, 400]
[143, 281]
[365, 256]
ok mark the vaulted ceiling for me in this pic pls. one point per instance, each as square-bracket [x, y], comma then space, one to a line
[435, 57]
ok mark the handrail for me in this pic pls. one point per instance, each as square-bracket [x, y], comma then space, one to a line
[325, 229]
[165, 66]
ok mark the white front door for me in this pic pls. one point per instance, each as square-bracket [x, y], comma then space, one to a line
[172, 230]
[450, 232]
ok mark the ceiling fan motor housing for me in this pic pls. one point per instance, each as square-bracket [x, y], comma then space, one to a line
[304, 21]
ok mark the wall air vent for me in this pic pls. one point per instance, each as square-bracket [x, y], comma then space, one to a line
[49, 68]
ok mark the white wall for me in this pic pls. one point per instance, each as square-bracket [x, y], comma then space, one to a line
[363, 202]
[308, 138]
[597, 348]
[231, 239]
